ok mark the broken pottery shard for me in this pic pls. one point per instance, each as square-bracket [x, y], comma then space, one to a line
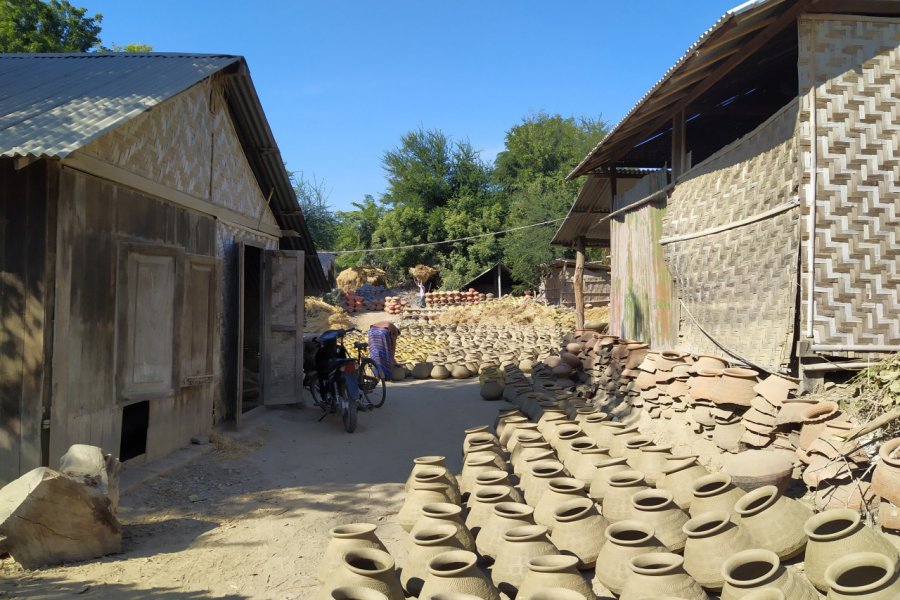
[48, 518]
[93, 468]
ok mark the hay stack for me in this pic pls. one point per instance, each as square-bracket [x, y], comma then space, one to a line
[350, 280]
[321, 316]
[422, 272]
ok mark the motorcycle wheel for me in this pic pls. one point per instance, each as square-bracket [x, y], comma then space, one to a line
[348, 415]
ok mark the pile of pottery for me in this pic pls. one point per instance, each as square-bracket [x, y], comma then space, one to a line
[452, 297]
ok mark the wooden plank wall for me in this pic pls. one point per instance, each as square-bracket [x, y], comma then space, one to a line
[24, 286]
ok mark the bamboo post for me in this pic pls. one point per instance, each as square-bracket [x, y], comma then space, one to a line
[579, 283]
[499, 283]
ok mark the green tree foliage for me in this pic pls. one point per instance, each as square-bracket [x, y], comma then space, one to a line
[355, 230]
[320, 219]
[47, 26]
[132, 47]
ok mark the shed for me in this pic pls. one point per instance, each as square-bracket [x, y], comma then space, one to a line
[559, 283]
[752, 193]
[498, 277]
[153, 259]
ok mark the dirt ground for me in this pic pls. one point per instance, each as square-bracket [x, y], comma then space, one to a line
[251, 518]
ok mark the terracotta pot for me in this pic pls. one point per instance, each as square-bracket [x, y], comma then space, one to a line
[660, 573]
[815, 417]
[457, 572]
[504, 516]
[735, 386]
[600, 483]
[658, 509]
[854, 494]
[791, 411]
[776, 388]
[678, 477]
[651, 460]
[701, 385]
[356, 593]
[836, 533]
[624, 540]
[714, 492]
[707, 361]
[753, 469]
[559, 491]
[617, 500]
[860, 575]
[442, 513]
[773, 521]
[364, 567]
[426, 544]
[578, 529]
[538, 480]
[727, 436]
[553, 571]
[343, 539]
[886, 478]
[520, 545]
[485, 498]
[711, 538]
[755, 569]
[419, 495]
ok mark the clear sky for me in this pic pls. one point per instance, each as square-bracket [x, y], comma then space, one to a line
[342, 81]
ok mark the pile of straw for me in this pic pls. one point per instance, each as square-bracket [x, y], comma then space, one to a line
[321, 316]
[516, 311]
[350, 280]
[422, 272]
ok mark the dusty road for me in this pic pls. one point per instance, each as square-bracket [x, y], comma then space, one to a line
[251, 519]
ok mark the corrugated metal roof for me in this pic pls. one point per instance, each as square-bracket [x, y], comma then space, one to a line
[593, 201]
[53, 104]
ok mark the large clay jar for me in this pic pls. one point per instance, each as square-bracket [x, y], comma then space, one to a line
[815, 417]
[517, 432]
[490, 389]
[553, 571]
[343, 539]
[660, 573]
[423, 462]
[757, 569]
[472, 466]
[586, 462]
[494, 477]
[711, 538]
[624, 541]
[622, 486]
[477, 435]
[658, 509]
[504, 516]
[861, 575]
[773, 521]
[678, 477]
[538, 480]
[651, 460]
[714, 492]
[886, 478]
[836, 533]
[520, 545]
[548, 416]
[364, 567]
[602, 432]
[418, 496]
[525, 449]
[620, 438]
[562, 438]
[557, 593]
[572, 455]
[442, 513]
[578, 529]
[485, 498]
[633, 448]
[735, 386]
[488, 449]
[356, 592]
[600, 483]
[438, 475]
[457, 572]
[559, 491]
[426, 544]
[509, 425]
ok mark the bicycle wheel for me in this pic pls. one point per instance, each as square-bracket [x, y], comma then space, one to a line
[370, 382]
[348, 414]
[313, 389]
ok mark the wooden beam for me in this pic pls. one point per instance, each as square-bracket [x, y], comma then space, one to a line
[579, 283]
[678, 156]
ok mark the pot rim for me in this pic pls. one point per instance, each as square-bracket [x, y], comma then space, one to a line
[525, 533]
[742, 504]
[352, 530]
[611, 462]
[545, 455]
[566, 485]
[552, 563]
[739, 372]
[628, 525]
[859, 559]
[720, 517]
[557, 468]
[477, 429]
[441, 533]
[491, 494]
[479, 460]
[582, 443]
[745, 556]
[723, 478]
[356, 592]
[379, 557]
[666, 495]
[580, 506]
[463, 556]
[441, 509]
[626, 429]
[431, 459]
[512, 510]
[649, 564]
[679, 464]
[625, 478]
[843, 514]
[887, 450]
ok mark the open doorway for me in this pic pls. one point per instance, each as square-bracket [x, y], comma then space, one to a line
[252, 319]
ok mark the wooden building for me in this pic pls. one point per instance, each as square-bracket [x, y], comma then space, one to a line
[750, 198]
[153, 254]
[497, 280]
[559, 283]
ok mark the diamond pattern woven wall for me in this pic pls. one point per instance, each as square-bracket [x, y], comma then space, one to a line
[850, 75]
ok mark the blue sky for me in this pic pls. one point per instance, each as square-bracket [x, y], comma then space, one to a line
[342, 81]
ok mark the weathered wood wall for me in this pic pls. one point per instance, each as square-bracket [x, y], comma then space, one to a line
[25, 283]
[559, 285]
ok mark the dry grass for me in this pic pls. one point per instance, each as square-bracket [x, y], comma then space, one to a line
[422, 272]
[349, 280]
[873, 392]
[509, 311]
[321, 316]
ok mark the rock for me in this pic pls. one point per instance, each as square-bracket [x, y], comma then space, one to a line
[48, 518]
[200, 440]
[96, 470]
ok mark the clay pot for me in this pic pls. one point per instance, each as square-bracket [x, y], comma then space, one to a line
[519, 432]
[557, 593]
[633, 447]
[755, 569]
[678, 476]
[485, 498]
[707, 361]
[525, 449]
[586, 462]
[651, 460]
[791, 411]
[343, 539]
[559, 491]
[836, 533]
[660, 573]
[491, 390]
[815, 417]
[491, 449]
[477, 436]
[356, 593]
[520, 545]
[553, 571]
[572, 453]
[456, 572]
[735, 386]
[773, 521]
[440, 372]
[419, 495]
[426, 544]
[364, 567]
[776, 388]
[472, 466]
[437, 475]
[765, 594]
[420, 463]
[886, 478]
[494, 477]
[578, 529]
[547, 416]
[422, 370]
[658, 509]
[617, 500]
[711, 538]
[442, 513]
[624, 540]
[753, 469]
[561, 438]
[727, 436]
[860, 575]
[538, 479]
[701, 385]
[509, 426]
[504, 516]
[600, 482]
[714, 492]
[619, 439]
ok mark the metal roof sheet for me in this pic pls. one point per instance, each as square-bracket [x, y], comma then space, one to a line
[594, 200]
[53, 104]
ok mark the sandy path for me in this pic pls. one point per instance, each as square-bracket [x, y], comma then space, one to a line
[262, 506]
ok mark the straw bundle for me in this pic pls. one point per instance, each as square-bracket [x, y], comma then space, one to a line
[321, 316]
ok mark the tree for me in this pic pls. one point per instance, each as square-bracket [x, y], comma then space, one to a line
[355, 229]
[320, 219]
[132, 47]
[47, 26]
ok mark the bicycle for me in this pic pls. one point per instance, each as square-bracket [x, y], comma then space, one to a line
[338, 391]
[371, 383]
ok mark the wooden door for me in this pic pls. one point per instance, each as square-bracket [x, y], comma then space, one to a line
[282, 352]
[239, 376]
[198, 343]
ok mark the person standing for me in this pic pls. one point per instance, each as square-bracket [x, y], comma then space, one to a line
[421, 293]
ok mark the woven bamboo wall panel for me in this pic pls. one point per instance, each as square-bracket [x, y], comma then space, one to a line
[740, 284]
[850, 73]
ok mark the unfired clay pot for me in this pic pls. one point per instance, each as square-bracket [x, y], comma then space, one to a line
[617, 501]
[861, 575]
[419, 495]
[442, 513]
[559, 491]
[600, 483]
[426, 544]
[578, 529]
[345, 538]
[657, 509]
[553, 571]
[538, 480]
[624, 541]
[520, 545]
[364, 567]
[756, 569]
[678, 477]
[714, 492]
[774, 521]
[711, 538]
[504, 516]
[486, 497]
[457, 572]
[660, 573]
